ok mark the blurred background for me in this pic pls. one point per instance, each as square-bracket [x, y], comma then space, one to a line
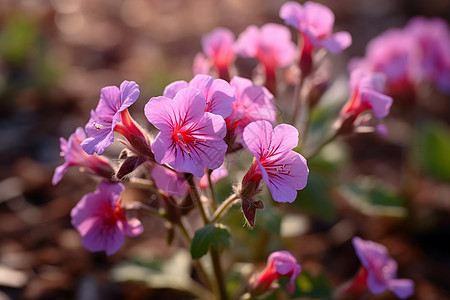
[56, 55]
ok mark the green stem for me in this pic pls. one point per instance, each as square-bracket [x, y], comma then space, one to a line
[297, 99]
[197, 199]
[223, 207]
[211, 189]
[215, 257]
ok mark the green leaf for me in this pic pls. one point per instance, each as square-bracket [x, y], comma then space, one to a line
[432, 149]
[311, 286]
[215, 235]
[371, 197]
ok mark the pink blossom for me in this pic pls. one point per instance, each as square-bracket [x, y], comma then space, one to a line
[190, 139]
[271, 45]
[219, 48]
[101, 220]
[367, 93]
[315, 22]
[112, 115]
[171, 182]
[219, 94]
[432, 38]
[74, 155]
[252, 103]
[279, 264]
[201, 64]
[381, 269]
[283, 170]
[391, 53]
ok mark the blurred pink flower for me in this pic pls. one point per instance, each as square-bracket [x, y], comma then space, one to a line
[279, 264]
[282, 169]
[252, 103]
[216, 175]
[74, 155]
[381, 269]
[219, 94]
[367, 94]
[101, 221]
[190, 139]
[171, 182]
[271, 45]
[314, 22]
[219, 48]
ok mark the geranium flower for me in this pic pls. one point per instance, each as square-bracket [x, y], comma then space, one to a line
[74, 155]
[218, 46]
[366, 94]
[279, 264]
[271, 45]
[219, 94]
[283, 170]
[253, 102]
[216, 175]
[101, 220]
[171, 182]
[381, 269]
[314, 22]
[112, 115]
[190, 139]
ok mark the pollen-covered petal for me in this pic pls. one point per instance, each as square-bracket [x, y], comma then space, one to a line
[172, 89]
[285, 175]
[219, 94]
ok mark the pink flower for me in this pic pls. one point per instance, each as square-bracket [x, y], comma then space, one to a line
[315, 22]
[271, 45]
[101, 221]
[279, 264]
[283, 170]
[366, 93]
[219, 94]
[190, 139]
[219, 48]
[201, 64]
[74, 155]
[381, 269]
[432, 38]
[252, 103]
[391, 53]
[172, 183]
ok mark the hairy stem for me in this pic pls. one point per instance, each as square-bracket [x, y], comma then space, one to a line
[223, 207]
[211, 189]
[197, 199]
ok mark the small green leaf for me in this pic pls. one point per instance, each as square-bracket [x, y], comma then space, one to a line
[215, 235]
[432, 148]
[310, 286]
[371, 197]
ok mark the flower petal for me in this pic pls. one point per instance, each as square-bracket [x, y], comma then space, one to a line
[402, 288]
[172, 89]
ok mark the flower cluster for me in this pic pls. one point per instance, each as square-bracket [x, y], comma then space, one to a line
[194, 127]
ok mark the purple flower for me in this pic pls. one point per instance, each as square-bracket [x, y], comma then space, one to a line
[279, 264]
[283, 170]
[171, 182]
[101, 221]
[252, 103]
[382, 269]
[74, 155]
[367, 93]
[190, 139]
[315, 22]
[216, 175]
[219, 94]
[107, 117]
[219, 48]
